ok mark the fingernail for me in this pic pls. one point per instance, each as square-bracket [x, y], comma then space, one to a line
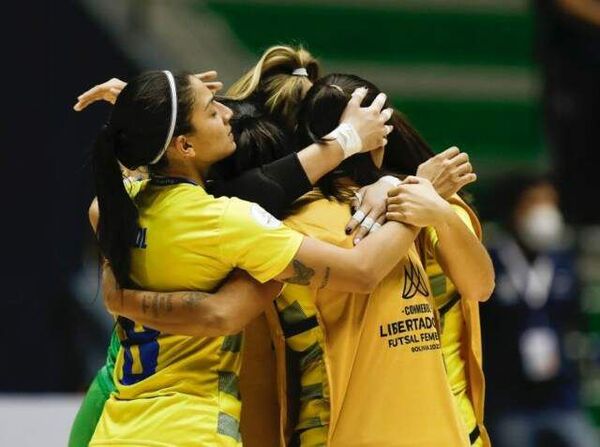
[356, 241]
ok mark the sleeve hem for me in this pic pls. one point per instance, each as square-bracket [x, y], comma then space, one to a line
[285, 261]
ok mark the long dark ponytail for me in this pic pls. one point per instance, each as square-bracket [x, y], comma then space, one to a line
[134, 136]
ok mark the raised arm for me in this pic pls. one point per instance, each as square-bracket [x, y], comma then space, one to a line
[225, 312]
[289, 178]
[459, 252]
[464, 258]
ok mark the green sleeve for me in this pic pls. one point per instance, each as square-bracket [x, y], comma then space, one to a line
[98, 393]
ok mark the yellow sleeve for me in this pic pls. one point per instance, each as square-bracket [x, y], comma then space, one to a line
[133, 186]
[432, 237]
[253, 240]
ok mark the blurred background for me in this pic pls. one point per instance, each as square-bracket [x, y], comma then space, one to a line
[515, 83]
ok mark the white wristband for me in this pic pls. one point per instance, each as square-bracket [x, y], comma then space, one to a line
[391, 180]
[348, 138]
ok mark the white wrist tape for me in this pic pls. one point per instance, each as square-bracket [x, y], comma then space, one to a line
[348, 138]
[391, 180]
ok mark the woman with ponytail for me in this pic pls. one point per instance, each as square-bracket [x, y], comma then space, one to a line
[183, 389]
[316, 215]
[280, 81]
[276, 187]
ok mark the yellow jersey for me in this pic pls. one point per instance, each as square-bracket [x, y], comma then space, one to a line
[381, 378]
[454, 336]
[178, 390]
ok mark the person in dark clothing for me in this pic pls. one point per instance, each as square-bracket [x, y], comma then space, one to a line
[532, 381]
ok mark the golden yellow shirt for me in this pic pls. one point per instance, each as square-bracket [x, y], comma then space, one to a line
[178, 390]
[386, 378]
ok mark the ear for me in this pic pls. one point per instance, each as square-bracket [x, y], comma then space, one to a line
[183, 146]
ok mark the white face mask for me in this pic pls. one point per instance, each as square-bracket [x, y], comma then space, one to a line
[542, 227]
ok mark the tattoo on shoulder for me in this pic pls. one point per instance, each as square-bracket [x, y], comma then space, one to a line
[325, 280]
[302, 274]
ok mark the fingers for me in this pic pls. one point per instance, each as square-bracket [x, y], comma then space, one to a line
[79, 106]
[463, 169]
[357, 218]
[206, 76]
[379, 102]
[214, 86]
[459, 159]
[367, 224]
[386, 115]
[412, 180]
[396, 216]
[107, 91]
[363, 229]
[451, 152]
[393, 192]
[358, 96]
[378, 224]
[88, 97]
[467, 179]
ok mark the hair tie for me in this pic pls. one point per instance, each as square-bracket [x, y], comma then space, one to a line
[300, 72]
[173, 90]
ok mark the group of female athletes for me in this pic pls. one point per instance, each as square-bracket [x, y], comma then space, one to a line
[358, 329]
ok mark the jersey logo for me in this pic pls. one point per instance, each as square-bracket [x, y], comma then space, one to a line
[263, 217]
[140, 240]
[413, 282]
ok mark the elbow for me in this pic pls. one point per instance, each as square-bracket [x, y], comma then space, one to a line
[483, 290]
[217, 324]
[482, 283]
[489, 284]
[488, 291]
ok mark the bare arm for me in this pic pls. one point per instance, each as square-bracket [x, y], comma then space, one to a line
[464, 258]
[359, 269]
[225, 312]
[461, 255]
[369, 123]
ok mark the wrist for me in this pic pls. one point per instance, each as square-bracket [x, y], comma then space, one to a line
[348, 139]
[443, 215]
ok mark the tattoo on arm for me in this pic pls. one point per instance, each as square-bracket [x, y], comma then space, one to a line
[157, 303]
[191, 300]
[161, 303]
[302, 274]
[325, 280]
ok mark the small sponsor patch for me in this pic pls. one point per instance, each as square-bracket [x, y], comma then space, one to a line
[263, 217]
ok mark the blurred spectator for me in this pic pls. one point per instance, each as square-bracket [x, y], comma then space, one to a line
[531, 376]
[568, 44]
